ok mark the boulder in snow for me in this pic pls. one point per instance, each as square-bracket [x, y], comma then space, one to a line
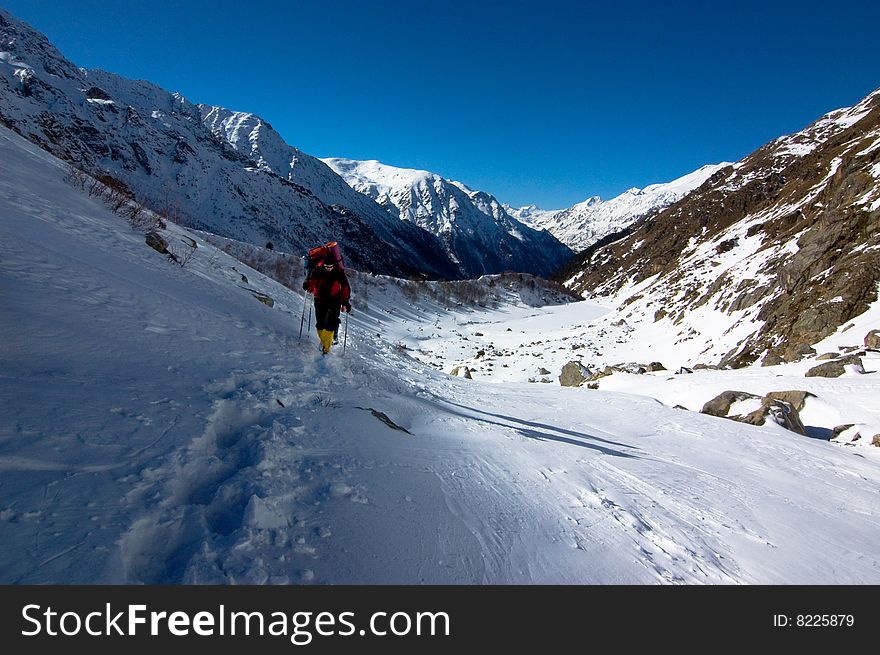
[156, 242]
[872, 340]
[778, 406]
[836, 367]
[720, 405]
[574, 374]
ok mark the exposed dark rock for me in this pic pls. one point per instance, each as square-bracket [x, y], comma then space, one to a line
[574, 374]
[157, 243]
[95, 93]
[141, 156]
[872, 340]
[720, 404]
[835, 368]
[779, 406]
[605, 372]
[785, 415]
[796, 399]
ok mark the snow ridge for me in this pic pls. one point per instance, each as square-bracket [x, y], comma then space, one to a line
[476, 229]
[589, 221]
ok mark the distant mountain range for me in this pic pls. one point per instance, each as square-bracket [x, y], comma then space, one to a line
[587, 222]
[475, 229]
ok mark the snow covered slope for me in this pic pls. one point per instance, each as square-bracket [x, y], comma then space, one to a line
[159, 424]
[476, 230]
[156, 143]
[585, 223]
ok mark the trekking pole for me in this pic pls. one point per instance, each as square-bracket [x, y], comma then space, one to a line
[303, 317]
[345, 333]
[305, 295]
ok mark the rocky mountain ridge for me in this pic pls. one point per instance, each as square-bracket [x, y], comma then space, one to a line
[766, 258]
[476, 230]
[173, 156]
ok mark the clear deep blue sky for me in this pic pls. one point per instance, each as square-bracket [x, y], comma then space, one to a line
[535, 101]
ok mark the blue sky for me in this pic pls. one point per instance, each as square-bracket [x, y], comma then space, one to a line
[545, 102]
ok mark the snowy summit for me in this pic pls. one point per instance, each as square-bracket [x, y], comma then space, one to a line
[587, 222]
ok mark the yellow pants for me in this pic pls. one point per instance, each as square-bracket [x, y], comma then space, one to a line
[326, 337]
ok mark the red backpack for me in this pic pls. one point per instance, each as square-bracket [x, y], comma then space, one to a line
[317, 256]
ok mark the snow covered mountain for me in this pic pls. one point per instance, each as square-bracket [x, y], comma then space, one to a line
[475, 228]
[178, 158]
[585, 223]
[766, 258]
[163, 424]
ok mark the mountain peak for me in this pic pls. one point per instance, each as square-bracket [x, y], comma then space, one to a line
[478, 232]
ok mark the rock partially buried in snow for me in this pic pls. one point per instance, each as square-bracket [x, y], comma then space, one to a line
[857, 434]
[605, 372]
[837, 367]
[462, 371]
[633, 368]
[157, 242]
[872, 340]
[782, 407]
[720, 405]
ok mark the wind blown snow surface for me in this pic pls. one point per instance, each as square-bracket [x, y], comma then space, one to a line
[159, 424]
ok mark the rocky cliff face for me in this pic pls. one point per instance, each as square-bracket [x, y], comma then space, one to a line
[156, 143]
[774, 252]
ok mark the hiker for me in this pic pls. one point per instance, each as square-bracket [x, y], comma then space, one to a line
[329, 284]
